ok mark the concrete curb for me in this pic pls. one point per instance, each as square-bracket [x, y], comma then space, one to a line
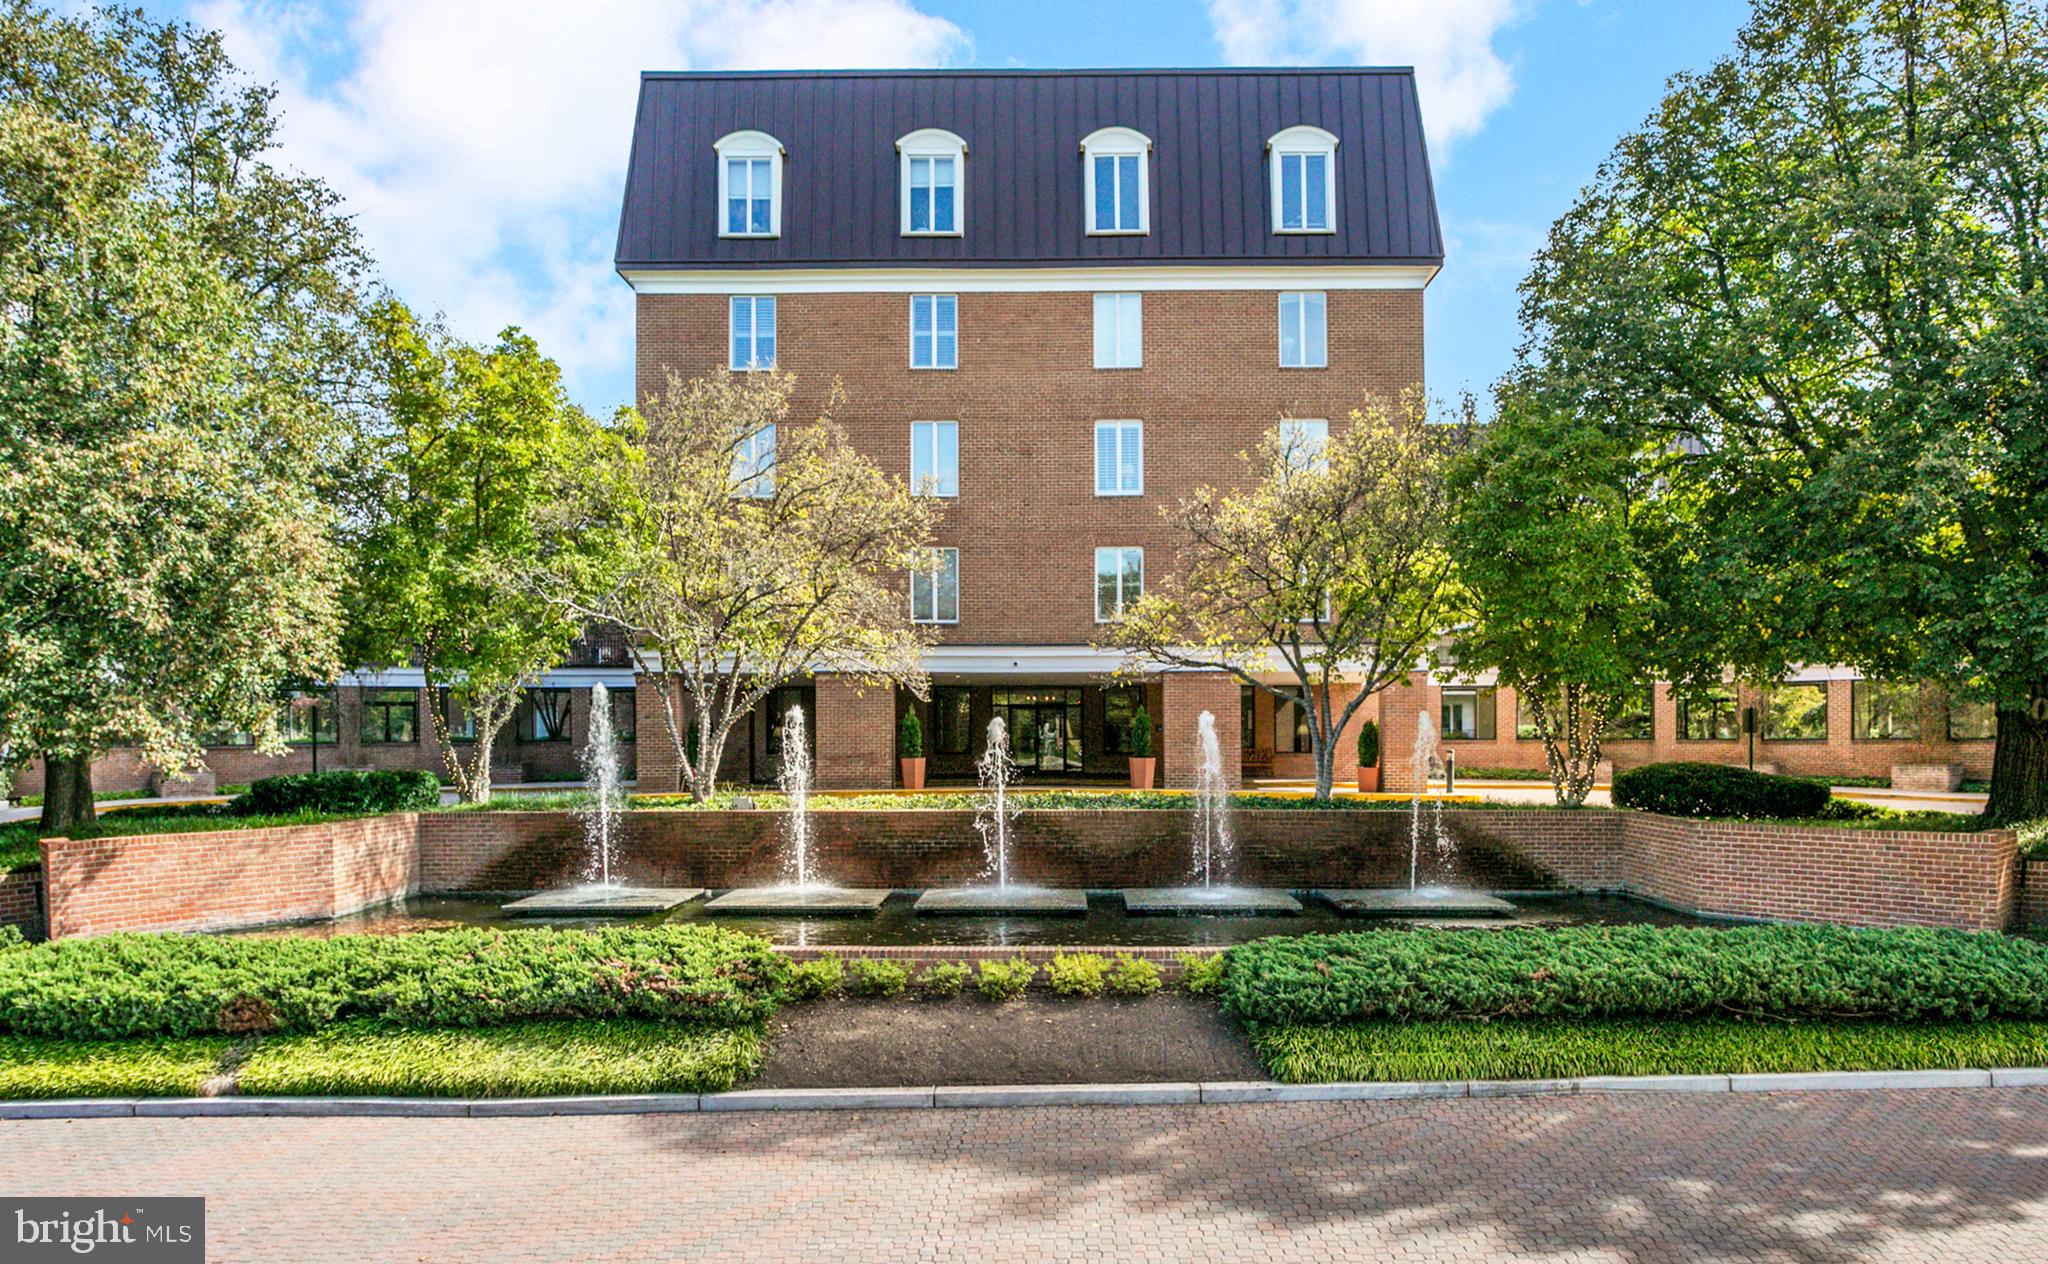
[940, 1097]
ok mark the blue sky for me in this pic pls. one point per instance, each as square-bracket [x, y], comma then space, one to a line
[482, 144]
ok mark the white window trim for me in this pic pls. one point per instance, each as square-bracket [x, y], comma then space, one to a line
[911, 316]
[1137, 297]
[935, 495]
[1119, 551]
[751, 144]
[1116, 142]
[1115, 426]
[1280, 329]
[754, 331]
[1303, 140]
[932, 142]
[912, 593]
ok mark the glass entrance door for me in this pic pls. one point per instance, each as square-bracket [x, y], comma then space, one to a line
[1045, 728]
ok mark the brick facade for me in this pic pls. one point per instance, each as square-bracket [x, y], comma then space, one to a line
[855, 745]
[21, 901]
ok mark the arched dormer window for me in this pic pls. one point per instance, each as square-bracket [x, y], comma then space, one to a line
[934, 183]
[1116, 164]
[749, 185]
[1304, 162]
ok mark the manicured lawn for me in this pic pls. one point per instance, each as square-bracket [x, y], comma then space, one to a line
[1563, 1049]
[34, 1067]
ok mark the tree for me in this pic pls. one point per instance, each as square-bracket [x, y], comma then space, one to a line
[1329, 566]
[461, 486]
[752, 552]
[1818, 280]
[175, 315]
[1557, 598]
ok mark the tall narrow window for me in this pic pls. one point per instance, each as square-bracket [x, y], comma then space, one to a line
[1119, 331]
[753, 464]
[1304, 180]
[749, 185]
[933, 175]
[753, 331]
[934, 331]
[1304, 331]
[1303, 442]
[1118, 193]
[1119, 458]
[934, 458]
[935, 588]
[1119, 582]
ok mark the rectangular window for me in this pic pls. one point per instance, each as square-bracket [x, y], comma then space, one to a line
[1119, 458]
[1635, 718]
[935, 589]
[1468, 715]
[1971, 721]
[953, 720]
[1796, 713]
[1290, 725]
[1302, 443]
[1247, 722]
[1304, 332]
[390, 716]
[933, 195]
[309, 716]
[780, 702]
[753, 332]
[753, 465]
[1304, 192]
[749, 197]
[934, 331]
[1119, 582]
[456, 718]
[1707, 716]
[625, 714]
[935, 458]
[1116, 194]
[1883, 712]
[1119, 331]
[544, 716]
[1120, 711]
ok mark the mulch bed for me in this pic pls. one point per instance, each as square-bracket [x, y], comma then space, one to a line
[1037, 1040]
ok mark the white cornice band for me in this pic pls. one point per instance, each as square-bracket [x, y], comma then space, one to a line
[994, 280]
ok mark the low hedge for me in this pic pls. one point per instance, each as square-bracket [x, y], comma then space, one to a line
[187, 985]
[1696, 789]
[1637, 972]
[413, 790]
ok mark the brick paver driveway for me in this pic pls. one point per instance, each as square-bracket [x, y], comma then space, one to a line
[1928, 1175]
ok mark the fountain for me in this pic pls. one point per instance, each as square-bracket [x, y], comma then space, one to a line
[1418, 900]
[601, 894]
[993, 820]
[803, 892]
[1210, 848]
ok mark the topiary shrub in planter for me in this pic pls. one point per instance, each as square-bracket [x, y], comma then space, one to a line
[1368, 757]
[910, 750]
[1143, 765]
[1698, 789]
[344, 791]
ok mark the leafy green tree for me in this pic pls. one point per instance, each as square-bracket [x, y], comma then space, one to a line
[1557, 598]
[464, 477]
[1329, 567]
[175, 331]
[751, 552]
[1816, 282]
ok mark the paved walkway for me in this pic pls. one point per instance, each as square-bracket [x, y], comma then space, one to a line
[1952, 1175]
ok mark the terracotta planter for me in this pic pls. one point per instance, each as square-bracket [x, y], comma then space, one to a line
[1141, 771]
[913, 773]
[1369, 780]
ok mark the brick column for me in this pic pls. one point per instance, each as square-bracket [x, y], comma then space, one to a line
[856, 738]
[1401, 705]
[1183, 698]
[654, 755]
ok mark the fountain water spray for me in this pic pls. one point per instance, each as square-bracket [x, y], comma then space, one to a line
[992, 820]
[1212, 842]
[795, 780]
[1426, 761]
[607, 790]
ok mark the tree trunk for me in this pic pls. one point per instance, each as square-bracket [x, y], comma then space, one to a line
[1326, 759]
[476, 779]
[2019, 765]
[67, 796]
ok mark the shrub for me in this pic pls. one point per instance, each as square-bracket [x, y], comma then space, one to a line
[1368, 744]
[1076, 973]
[1004, 980]
[1141, 734]
[910, 736]
[820, 976]
[1695, 789]
[341, 792]
[1788, 972]
[11, 937]
[943, 978]
[1201, 973]
[187, 985]
[1133, 976]
[874, 976]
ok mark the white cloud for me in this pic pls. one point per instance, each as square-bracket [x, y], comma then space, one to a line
[1459, 75]
[481, 144]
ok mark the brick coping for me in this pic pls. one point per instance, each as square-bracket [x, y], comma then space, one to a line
[1011, 1096]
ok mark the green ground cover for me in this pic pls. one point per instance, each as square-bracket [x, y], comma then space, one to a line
[41, 1068]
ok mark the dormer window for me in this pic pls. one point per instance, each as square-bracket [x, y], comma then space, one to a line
[934, 181]
[1304, 163]
[749, 185]
[1115, 162]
